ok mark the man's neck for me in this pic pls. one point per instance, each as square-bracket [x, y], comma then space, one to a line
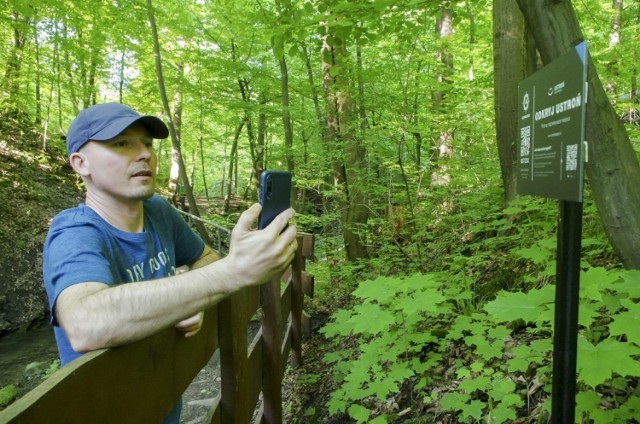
[124, 215]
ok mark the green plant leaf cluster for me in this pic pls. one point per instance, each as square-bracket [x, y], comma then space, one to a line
[507, 345]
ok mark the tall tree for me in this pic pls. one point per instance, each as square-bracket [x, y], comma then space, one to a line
[346, 149]
[20, 24]
[613, 169]
[175, 142]
[442, 149]
[511, 63]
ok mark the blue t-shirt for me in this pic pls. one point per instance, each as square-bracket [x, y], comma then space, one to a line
[82, 247]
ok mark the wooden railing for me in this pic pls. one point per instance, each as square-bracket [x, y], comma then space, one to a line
[140, 382]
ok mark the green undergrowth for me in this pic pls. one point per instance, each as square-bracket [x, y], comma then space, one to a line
[497, 358]
[470, 338]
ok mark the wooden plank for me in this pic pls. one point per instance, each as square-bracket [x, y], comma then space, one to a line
[308, 241]
[285, 349]
[139, 382]
[252, 303]
[235, 406]
[307, 325]
[297, 300]
[271, 356]
[254, 365]
[285, 299]
[308, 284]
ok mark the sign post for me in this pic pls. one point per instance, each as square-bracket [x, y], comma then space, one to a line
[552, 152]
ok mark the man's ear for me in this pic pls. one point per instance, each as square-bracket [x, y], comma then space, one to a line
[79, 163]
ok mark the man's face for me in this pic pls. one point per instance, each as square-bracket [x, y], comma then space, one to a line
[122, 168]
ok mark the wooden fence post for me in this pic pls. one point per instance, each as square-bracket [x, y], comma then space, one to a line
[237, 375]
[297, 299]
[272, 367]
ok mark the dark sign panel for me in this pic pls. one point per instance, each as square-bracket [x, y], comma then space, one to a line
[551, 122]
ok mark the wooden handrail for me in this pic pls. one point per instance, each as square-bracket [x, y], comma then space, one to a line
[140, 382]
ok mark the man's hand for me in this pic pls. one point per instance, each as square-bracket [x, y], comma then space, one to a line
[257, 256]
[190, 326]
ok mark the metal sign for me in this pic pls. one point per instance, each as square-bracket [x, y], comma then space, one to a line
[551, 122]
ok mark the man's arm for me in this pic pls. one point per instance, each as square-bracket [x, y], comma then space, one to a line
[191, 326]
[94, 315]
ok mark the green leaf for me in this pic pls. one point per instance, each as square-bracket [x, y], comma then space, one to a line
[462, 324]
[510, 306]
[588, 313]
[485, 348]
[586, 401]
[628, 322]
[359, 413]
[340, 324]
[596, 364]
[525, 355]
[473, 410]
[453, 401]
[594, 281]
[337, 402]
[478, 383]
[335, 356]
[382, 290]
[630, 283]
[512, 399]
[371, 319]
[502, 413]
[501, 388]
[535, 254]
[382, 387]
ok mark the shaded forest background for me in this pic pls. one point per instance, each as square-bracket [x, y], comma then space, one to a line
[396, 119]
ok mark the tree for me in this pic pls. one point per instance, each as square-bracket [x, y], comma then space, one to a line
[346, 149]
[512, 62]
[613, 169]
[175, 141]
[442, 149]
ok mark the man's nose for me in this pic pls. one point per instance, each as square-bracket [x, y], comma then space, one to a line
[144, 150]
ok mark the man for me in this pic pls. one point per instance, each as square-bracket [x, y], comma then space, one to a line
[123, 233]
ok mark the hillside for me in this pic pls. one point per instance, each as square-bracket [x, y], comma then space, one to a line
[34, 186]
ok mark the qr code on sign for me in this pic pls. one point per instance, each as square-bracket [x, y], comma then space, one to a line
[525, 141]
[572, 157]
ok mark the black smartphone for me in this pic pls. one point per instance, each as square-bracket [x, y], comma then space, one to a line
[275, 192]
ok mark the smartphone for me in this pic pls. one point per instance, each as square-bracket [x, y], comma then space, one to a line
[275, 192]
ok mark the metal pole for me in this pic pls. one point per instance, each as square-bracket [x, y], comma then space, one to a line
[565, 337]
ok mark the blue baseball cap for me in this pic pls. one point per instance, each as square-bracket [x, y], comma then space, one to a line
[107, 120]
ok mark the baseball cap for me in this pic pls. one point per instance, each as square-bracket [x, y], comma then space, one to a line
[105, 121]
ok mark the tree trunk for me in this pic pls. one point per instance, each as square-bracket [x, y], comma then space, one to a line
[510, 66]
[258, 160]
[286, 123]
[201, 145]
[38, 118]
[176, 118]
[350, 175]
[614, 43]
[613, 169]
[175, 142]
[12, 75]
[234, 150]
[443, 149]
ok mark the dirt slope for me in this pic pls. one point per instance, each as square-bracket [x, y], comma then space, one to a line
[34, 186]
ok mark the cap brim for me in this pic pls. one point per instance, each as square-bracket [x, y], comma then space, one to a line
[155, 126]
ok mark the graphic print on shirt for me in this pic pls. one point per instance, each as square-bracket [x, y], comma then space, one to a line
[155, 266]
